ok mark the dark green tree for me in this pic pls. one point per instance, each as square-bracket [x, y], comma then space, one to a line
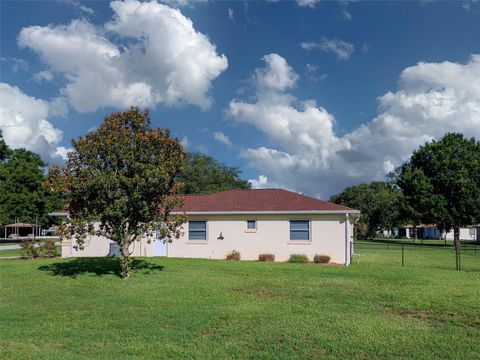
[378, 203]
[203, 175]
[120, 182]
[22, 194]
[441, 183]
[4, 150]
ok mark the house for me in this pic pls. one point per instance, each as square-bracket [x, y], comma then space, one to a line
[432, 232]
[251, 222]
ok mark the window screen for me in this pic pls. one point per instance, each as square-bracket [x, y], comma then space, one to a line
[299, 230]
[197, 230]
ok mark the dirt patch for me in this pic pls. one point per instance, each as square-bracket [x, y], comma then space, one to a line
[473, 324]
[261, 293]
[443, 317]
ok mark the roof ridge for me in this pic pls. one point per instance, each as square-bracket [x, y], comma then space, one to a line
[230, 190]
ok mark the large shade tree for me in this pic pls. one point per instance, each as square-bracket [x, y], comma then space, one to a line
[22, 195]
[203, 175]
[441, 183]
[378, 204]
[120, 182]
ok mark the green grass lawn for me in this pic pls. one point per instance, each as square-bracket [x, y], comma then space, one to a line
[10, 252]
[174, 308]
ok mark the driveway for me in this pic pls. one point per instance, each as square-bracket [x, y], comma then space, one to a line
[16, 246]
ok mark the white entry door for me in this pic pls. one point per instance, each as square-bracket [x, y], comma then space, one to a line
[160, 248]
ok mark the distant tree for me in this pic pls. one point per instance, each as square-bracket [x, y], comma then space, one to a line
[378, 203]
[22, 195]
[4, 150]
[119, 182]
[411, 207]
[203, 175]
[441, 183]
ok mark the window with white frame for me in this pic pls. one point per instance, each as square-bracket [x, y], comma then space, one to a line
[197, 230]
[251, 225]
[300, 230]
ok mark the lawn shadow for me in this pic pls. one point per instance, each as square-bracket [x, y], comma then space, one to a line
[96, 266]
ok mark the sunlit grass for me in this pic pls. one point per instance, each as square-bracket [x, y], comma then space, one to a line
[174, 308]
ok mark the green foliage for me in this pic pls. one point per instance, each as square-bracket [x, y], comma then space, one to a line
[298, 259]
[378, 203]
[4, 150]
[203, 175]
[123, 177]
[321, 259]
[30, 248]
[441, 183]
[22, 194]
[48, 248]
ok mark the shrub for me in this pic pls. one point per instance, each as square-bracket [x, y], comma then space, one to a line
[30, 248]
[321, 259]
[298, 258]
[266, 257]
[234, 255]
[48, 249]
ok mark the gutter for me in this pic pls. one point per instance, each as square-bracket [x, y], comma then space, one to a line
[347, 228]
[286, 212]
[265, 212]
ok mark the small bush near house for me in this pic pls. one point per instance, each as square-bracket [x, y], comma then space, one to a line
[29, 248]
[321, 259]
[298, 258]
[266, 257]
[233, 256]
[48, 249]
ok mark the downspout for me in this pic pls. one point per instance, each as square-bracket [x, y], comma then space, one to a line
[347, 226]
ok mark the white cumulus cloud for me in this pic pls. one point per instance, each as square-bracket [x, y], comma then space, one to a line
[305, 153]
[24, 123]
[43, 76]
[343, 50]
[147, 54]
[221, 137]
[185, 142]
[260, 182]
[307, 3]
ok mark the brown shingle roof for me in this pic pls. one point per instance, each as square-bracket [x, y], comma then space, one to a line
[257, 200]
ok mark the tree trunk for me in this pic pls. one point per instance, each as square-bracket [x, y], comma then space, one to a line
[456, 238]
[125, 261]
[456, 242]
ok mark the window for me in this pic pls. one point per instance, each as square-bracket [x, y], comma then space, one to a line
[299, 230]
[197, 230]
[251, 224]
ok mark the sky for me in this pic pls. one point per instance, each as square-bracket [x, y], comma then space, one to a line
[311, 96]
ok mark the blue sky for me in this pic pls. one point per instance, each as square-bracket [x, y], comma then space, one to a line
[385, 78]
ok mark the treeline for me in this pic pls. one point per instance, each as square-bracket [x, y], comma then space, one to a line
[24, 198]
[440, 185]
[22, 194]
